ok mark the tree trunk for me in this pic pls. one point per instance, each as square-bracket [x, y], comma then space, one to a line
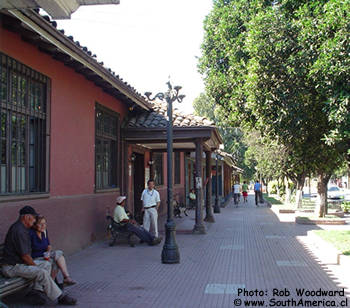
[267, 186]
[286, 184]
[278, 187]
[321, 202]
[299, 191]
[310, 185]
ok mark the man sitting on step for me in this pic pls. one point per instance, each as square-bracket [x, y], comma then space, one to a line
[120, 216]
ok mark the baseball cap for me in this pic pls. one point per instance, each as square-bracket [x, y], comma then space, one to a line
[120, 199]
[28, 210]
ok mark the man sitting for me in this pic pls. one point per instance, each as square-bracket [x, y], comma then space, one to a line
[120, 216]
[17, 261]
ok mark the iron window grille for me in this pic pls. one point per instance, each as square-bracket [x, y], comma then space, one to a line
[24, 128]
[106, 148]
[158, 169]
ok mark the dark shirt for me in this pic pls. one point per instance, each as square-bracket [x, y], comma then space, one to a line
[39, 245]
[17, 244]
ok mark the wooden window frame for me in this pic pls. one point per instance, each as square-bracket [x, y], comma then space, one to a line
[116, 115]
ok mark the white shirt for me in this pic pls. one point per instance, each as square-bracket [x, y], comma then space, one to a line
[236, 188]
[120, 214]
[150, 197]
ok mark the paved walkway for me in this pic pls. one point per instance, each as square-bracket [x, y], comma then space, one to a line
[247, 247]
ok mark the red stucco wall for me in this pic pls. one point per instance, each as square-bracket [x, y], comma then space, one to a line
[73, 100]
[75, 213]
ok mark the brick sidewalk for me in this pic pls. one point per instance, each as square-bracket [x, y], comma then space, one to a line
[246, 247]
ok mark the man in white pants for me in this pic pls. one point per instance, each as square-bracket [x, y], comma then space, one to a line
[151, 201]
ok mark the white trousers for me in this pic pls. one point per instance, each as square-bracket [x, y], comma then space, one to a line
[150, 218]
[41, 274]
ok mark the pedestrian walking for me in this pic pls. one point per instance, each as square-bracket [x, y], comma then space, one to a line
[151, 201]
[245, 192]
[257, 191]
[236, 192]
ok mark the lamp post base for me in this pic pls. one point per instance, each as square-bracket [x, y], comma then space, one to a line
[199, 229]
[209, 218]
[170, 252]
[217, 208]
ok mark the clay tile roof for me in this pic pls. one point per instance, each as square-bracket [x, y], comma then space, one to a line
[157, 118]
[85, 50]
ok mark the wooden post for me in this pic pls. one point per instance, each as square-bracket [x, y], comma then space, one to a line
[199, 227]
[208, 207]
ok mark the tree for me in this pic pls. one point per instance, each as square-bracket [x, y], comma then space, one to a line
[284, 100]
[258, 63]
[233, 137]
[325, 30]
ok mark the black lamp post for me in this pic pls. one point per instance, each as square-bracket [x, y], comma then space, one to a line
[170, 253]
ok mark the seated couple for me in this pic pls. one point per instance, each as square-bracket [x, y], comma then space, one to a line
[121, 217]
[28, 254]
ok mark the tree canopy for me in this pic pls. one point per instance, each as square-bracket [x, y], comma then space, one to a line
[282, 67]
[233, 137]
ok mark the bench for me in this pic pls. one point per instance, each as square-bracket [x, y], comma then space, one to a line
[11, 285]
[119, 231]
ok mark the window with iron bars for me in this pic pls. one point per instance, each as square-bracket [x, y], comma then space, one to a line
[158, 169]
[23, 133]
[106, 148]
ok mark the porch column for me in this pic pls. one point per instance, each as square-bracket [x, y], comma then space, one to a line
[208, 207]
[217, 205]
[187, 180]
[199, 227]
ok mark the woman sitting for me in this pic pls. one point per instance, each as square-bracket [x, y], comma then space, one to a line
[41, 248]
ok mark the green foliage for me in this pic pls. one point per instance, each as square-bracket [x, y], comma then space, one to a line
[340, 239]
[273, 185]
[233, 137]
[272, 200]
[325, 34]
[283, 68]
[346, 206]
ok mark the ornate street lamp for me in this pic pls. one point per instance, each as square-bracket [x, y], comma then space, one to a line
[170, 253]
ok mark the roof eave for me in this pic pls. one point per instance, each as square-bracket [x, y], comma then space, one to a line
[35, 21]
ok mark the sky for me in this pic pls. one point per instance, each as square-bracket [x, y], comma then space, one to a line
[146, 41]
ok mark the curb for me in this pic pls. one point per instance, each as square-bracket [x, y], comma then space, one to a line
[308, 221]
[340, 258]
[277, 210]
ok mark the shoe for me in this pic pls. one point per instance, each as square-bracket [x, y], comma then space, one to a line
[67, 300]
[36, 298]
[68, 281]
[156, 241]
